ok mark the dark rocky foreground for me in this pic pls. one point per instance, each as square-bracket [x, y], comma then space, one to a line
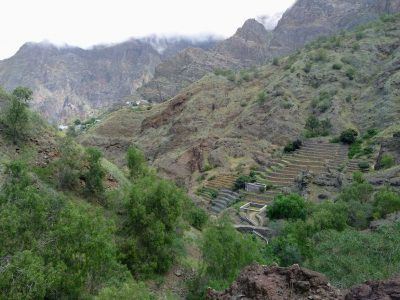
[276, 283]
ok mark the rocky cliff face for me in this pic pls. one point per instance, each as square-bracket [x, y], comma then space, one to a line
[309, 19]
[71, 82]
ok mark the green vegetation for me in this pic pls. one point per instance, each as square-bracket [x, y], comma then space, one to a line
[225, 253]
[261, 97]
[136, 163]
[69, 166]
[16, 115]
[323, 102]
[95, 175]
[326, 238]
[240, 182]
[287, 207]
[292, 146]
[315, 127]
[387, 161]
[348, 136]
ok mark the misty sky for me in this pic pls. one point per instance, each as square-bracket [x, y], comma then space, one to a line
[88, 22]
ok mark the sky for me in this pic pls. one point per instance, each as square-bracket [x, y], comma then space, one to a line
[85, 23]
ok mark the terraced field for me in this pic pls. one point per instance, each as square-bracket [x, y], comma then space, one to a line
[315, 155]
[223, 181]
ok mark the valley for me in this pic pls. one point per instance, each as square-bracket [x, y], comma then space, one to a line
[261, 166]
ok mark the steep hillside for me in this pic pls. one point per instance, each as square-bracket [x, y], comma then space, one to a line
[237, 119]
[73, 83]
[252, 45]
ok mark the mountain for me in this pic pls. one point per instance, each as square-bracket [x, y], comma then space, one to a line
[309, 19]
[71, 82]
[252, 44]
[238, 119]
[246, 48]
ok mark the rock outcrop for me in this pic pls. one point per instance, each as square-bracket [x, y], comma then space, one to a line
[275, 283]
[376, 290]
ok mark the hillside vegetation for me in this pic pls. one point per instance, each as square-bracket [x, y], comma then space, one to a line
[229, 119]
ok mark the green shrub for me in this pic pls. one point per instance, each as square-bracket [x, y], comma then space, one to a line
[198, 218]
[370, 133]
[337, 66]
[348, 136]
[307, 67]
[261, 97]
[288, 207]
[363, 165]
[136, 162]
[349, 257]
[350, 73]
[95, 174]
[386, 202]
[240, 182]
[292, 146]
[320, 55]
[355, 149]
[275, 61]
[226, 252]
[387, 161]
[315, 127]
[151, 231]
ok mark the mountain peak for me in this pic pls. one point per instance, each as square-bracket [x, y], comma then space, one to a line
[252, 30]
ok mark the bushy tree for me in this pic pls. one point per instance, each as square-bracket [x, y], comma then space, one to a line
[288, 207]
[226, 252]
[69, 165]
[52, 248]
[136, 163]
[151, 230]
[16, 115]
[386, 202]
[95, 174]
[349, 136]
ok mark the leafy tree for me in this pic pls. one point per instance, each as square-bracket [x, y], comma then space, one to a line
[151, 228]
[95, 175]
[197, 217]
[288, 207]
[240, 182]
[136, 162]
[16, 116]
[51, 248]
[226, 252]
[69, 165]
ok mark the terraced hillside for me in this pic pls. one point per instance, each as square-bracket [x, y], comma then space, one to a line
[237, 120]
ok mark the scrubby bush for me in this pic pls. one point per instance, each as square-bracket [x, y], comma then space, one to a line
[136, 163]
[240, 182]
[370, 133]
[292, 146]
[95, 174]
[261, 97]
[350, 73]
[69, 166]
[348, 136]
[386, 202]
[307, 67]
[363, 165]
[355, 149]
[349, 257]
[288, 207]
[315, 127]
[226, 252]
[387, 161]
[337, 66]
[275, 61]
[197, 217]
